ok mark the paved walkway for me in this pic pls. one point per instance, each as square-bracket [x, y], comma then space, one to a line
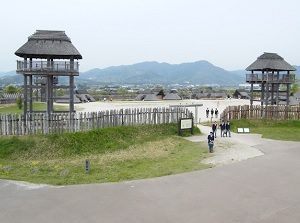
[263, 189]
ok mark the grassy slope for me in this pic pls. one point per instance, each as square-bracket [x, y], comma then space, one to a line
[116, 154]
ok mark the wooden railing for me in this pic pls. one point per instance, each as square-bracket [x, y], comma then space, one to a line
[258, 111]
[45, 66]
[270, 78]
[41, 123]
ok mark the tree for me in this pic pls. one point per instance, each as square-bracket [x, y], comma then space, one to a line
[295, 86]
[122, 91]
[11, 89]
[60, 92]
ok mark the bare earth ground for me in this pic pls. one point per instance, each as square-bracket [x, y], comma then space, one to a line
[229, 149]
[226, 150]
[226, 153]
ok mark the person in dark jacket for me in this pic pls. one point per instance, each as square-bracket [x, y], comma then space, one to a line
[207, 112]
[210, 140]
[216, 113]
[227, 128]
[222, 128]
[212, 112]
[214, 129]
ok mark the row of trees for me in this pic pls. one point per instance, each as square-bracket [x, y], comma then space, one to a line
[122, 91]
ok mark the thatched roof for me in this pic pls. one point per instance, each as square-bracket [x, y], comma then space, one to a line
[270, 62]
[292, 101]
[140, 97]
[150, 97]
[146, 91]
[172, 96]
[81, 91]
[297, 94]
[244, 94]
[85, 97]
[44, 43]
[66, 99]
[202, 95]
[218, 95]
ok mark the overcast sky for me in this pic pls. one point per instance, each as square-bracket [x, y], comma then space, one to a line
[228, 33]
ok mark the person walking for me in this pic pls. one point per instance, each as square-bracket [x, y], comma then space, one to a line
[214, 129]
[216, 113]
[227, 128]
[210, 140]
[222, 128]
[207, 112]
[212, 113]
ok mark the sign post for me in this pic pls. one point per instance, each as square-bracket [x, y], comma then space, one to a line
[185, 124]
[87, 165]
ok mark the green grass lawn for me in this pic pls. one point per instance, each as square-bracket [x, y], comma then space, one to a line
[287, 130]
[37, 106]
[115, 154]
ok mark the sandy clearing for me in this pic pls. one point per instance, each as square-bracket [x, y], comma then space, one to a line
[200, 115]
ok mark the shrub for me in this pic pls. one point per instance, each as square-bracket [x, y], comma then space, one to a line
[19, 102]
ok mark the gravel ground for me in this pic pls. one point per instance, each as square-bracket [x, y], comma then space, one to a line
[227, 150]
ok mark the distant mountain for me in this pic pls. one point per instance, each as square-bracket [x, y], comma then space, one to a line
[11, 78]
[200, 72]
[10, 73]
[241, 73]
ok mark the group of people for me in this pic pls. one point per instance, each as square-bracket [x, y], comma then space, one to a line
[212, 113]
[224, 129]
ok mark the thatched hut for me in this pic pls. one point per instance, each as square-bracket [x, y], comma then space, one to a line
[241, 94]
[47, 55]
[150, 97]
[172, 96]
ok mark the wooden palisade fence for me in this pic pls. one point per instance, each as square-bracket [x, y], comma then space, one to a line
[41, 123]
[283, 112]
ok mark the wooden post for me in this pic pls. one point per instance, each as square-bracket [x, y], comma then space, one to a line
[288, 90]
[25, 95]
[251, 94]
[25, 87]
[267, 93]
[30, 94]
[71, 87]
[48, 94]
[262, 98]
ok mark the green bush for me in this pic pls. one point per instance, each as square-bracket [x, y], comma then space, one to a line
[19, 102]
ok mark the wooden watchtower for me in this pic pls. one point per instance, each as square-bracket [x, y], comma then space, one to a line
[47, 55]
[270, 71]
